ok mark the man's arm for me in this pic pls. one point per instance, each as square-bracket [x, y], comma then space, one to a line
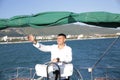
[45, 48]
[68, 55]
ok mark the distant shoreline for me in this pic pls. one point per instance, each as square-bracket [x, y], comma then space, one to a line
[55, 40]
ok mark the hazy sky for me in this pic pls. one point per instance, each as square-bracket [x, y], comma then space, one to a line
[10, 8]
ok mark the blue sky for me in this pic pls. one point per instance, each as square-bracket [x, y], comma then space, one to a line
[10, 8]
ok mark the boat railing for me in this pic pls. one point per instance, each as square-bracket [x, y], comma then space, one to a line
[100, 73]
[81, 73]
[25, 73]
[19, 73]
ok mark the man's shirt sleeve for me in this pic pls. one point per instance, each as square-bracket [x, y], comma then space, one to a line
[45, 48]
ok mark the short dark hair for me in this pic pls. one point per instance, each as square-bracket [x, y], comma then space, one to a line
[61, 34]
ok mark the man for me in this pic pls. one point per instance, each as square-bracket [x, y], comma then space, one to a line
[59, 52]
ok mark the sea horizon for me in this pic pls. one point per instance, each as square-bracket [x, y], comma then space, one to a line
[55, 40]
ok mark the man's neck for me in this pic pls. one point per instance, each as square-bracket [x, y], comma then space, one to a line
[60, 46]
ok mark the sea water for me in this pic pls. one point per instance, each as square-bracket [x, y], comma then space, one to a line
[85, 54]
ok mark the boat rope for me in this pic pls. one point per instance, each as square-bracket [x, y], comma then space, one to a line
[106, 51]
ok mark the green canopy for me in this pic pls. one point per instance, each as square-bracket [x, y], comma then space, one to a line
[47, 19]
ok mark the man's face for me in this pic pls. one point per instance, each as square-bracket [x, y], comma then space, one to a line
[61, 40]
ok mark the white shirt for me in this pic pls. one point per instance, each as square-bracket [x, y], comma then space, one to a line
[64, 54]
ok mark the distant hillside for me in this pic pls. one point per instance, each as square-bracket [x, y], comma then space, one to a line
[12, 32]
[71, 29]
[67, 29]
